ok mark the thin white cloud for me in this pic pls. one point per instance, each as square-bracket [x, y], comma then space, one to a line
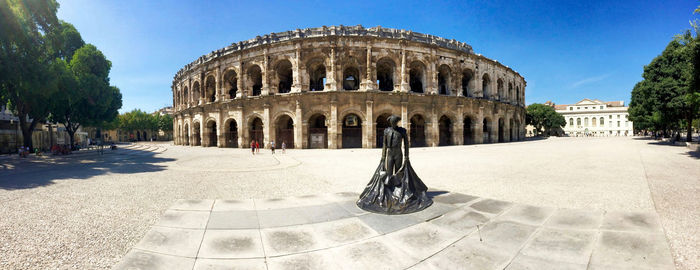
[589, 80]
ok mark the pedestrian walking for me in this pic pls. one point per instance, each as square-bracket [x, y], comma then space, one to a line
[284, 147]
[272, 146]
[252, 147]
[257, 147]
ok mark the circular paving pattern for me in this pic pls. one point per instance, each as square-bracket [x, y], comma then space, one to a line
[457, 232]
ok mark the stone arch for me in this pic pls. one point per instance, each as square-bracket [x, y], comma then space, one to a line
[386, 74]
[511, 130]
[316, 69]
[444, 79]
[195, 93]
[382, 123]
[510, 92]
[210, 88]
[417, 72]
[318, 130]
[467, 78]
[486, 86]
[255, 130]
[517, 130]
[231, 133]
[501, 129]
[196, 133]
[185, 96]
[517, 95]
[284, 130]
[352, 130]
[445, 131]
[467, 130]
[284, 76]
[230, 82]
[186, 136]
[416, 130]
[499, 89]
[254, 80]
[351, 77]
[210, 132]
[486, 129]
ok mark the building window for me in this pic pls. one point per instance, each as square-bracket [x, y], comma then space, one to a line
[610, 116]
[571, 121]
[578, 108]
[571, 108]
[578, 122]
[601, 107]
[585, 108]
[618, 116]
[627, 124]
[618, 123]
[585, 121]
[593, 122]
[602, 121]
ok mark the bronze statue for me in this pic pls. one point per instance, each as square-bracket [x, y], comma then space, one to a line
[394, 188]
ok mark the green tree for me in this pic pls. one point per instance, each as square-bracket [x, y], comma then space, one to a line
[543, 117]
[665, 98]
[165, 123]
[28, 31]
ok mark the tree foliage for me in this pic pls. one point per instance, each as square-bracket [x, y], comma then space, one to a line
[544, 117]
[667, 97]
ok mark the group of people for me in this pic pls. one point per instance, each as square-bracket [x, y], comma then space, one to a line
[255, 147]
[64, 149]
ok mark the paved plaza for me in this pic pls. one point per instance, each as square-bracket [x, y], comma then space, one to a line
[559, 203]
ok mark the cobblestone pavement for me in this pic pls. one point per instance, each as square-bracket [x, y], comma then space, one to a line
[88, 211]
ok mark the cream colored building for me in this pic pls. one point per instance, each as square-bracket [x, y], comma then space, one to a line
[334, 87]
[596, 118]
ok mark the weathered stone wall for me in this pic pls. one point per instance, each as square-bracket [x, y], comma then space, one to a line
[277, 87]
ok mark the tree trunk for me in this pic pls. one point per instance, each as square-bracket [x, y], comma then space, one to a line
[689, 129]
[27, 129]
[71, 135]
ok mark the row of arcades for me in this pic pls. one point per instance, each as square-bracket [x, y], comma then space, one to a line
[350, 132]
[285, 76]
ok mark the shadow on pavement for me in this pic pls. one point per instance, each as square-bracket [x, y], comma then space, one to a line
[26, 174]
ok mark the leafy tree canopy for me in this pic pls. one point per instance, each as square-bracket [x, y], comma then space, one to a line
[544, 117]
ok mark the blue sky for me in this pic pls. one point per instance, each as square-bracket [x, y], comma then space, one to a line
[566, 50]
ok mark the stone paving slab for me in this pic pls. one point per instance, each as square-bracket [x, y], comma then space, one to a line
[457, 232]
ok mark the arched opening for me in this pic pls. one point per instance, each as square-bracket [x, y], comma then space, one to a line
[187, 134]
[196, 134]
[284, 76]
[416, 77]
[185, 96]
[145, 137]
[593, 122]
[352, 131]
[256, 132]
[511, 130]
[318, 131]
[578, 122]
[485, 86]
[231, 83]
[602, 122]
[467, 132]
[486, 131]
[212, 140]
[444, 73]
[210, 89]
[284, 132]
[351, 79]
[517, 130]
[232, 134]
[499, 87]
[417, 131]
[467, 76]
[510, 92]
[138, 135]
[255, 80]
[382, 124]
[317, 74]
[385, 74]
[571, 122]
[445, 131]
[517, 95]
[195, 94]
[501, 130]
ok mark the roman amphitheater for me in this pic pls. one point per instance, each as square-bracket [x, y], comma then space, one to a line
[334, 87]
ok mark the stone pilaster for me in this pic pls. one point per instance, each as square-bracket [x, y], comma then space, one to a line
[265, 73]
[296, 84]
[331, 84]
[368, 140]
[268, 128]
[298, 126]
[404, 87]
[333, 126]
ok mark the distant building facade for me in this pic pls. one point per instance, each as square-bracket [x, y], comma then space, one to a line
[44, 136]
[595, 118]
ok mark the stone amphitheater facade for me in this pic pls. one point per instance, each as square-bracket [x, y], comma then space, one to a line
[334, 87]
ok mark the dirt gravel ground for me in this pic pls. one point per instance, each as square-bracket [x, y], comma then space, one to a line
[85, 212]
